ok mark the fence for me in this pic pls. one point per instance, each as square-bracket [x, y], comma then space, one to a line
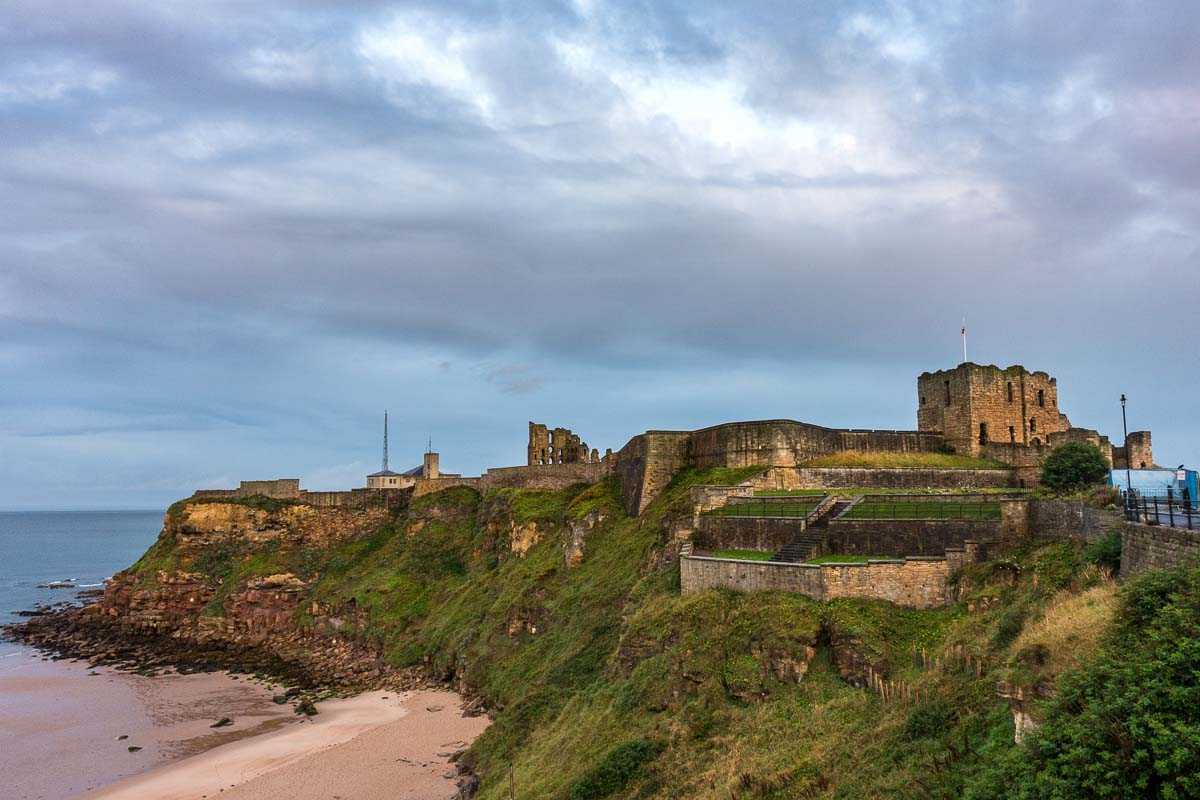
[882, 507]
[1168, 508]
[768, 506]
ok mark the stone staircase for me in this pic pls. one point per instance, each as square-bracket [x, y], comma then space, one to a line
[811, 537]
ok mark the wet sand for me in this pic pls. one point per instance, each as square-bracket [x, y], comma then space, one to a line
[61, 722]
[376, 745]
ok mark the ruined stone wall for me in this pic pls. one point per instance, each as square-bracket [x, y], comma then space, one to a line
[556, 446]
[1149, 547]
[279, 489]
[1139, 453]
[906, 537]
[912, 582]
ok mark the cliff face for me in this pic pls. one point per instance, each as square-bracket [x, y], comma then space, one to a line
[562, 614]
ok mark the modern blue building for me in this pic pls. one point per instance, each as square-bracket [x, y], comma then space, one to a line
[1157, 482]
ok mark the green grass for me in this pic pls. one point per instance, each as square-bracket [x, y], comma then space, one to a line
[743, 555]
[604, 682]
[854, 459]
[843, 559]
[916, 509]
[773, 508]
[855, 491]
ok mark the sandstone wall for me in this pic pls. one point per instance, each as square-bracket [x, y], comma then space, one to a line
[975, 404]
[1072, 519]
[913, 582]
[905, 537]
[1149, 547]
[788, 443]
[745, 533]
[840, 477]
[646, 464]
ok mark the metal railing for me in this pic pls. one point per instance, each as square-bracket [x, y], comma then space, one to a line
[917, 508]
[783, 506]
[1170, 509]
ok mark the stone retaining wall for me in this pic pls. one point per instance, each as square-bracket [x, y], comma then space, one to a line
[908, 537]
[746, 533]
[913, 582]
[1072, 518]
[847, 477]
[1147, 547]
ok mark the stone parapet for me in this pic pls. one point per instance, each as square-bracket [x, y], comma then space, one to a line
[1149, 547]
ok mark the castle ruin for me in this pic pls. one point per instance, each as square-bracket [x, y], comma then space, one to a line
[1007, 417]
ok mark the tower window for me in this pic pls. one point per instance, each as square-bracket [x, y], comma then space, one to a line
[1042, 398]
[922, 399]
[1033, 424]
[1010, 393]
[1012, 435]
[983, 433]
[947, 392]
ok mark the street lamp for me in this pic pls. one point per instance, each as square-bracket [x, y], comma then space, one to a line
[1128, 456]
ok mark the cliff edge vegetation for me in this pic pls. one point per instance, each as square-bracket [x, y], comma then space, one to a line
[561, 614]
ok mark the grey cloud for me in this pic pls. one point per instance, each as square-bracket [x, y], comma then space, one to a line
[248, 237]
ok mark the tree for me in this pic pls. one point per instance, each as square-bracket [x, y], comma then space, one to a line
[1074, 465]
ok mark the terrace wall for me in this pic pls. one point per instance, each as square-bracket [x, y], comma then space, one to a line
[848, 478]
[745, 533]
[1072, 519]
[913, 582]
[907, 537]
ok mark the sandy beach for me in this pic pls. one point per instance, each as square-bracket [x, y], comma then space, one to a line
[375, 745]
[66, 728]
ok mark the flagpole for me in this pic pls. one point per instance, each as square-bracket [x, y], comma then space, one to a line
[964, 338]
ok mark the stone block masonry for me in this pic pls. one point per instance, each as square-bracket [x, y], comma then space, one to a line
[909, 537]
[1149, 547]
[913, 582]
[768, 534]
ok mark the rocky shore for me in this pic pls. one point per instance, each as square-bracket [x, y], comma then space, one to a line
[311, 667]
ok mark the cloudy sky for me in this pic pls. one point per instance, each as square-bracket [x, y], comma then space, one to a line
[233, 233]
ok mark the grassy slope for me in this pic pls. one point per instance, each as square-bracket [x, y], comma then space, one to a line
[606, 683]
[903, 461]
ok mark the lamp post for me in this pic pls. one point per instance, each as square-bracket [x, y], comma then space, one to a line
[1125, 430]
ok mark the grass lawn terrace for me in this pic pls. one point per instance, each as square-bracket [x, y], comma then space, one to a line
[922, 509]
[743, 555]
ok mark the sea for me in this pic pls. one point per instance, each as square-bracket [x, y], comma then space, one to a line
[65, 727]
[83, 547]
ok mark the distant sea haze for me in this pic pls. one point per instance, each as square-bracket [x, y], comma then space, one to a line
[80, 546]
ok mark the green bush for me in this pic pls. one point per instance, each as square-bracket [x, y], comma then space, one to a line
[1105, 551]
[1073, 466]
[614, 772]
[929, 720]
[1127, 725]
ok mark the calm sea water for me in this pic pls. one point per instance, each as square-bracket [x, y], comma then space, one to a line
[83, 546]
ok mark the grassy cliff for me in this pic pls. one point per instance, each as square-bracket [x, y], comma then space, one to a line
[564, 615]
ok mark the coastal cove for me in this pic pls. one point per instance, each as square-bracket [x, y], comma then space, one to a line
[72, 728]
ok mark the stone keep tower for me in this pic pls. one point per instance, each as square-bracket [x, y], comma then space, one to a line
[974, 405]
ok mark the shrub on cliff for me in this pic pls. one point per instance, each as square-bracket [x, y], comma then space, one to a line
[1128, 724]
[1074, 466]
[611, 775]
